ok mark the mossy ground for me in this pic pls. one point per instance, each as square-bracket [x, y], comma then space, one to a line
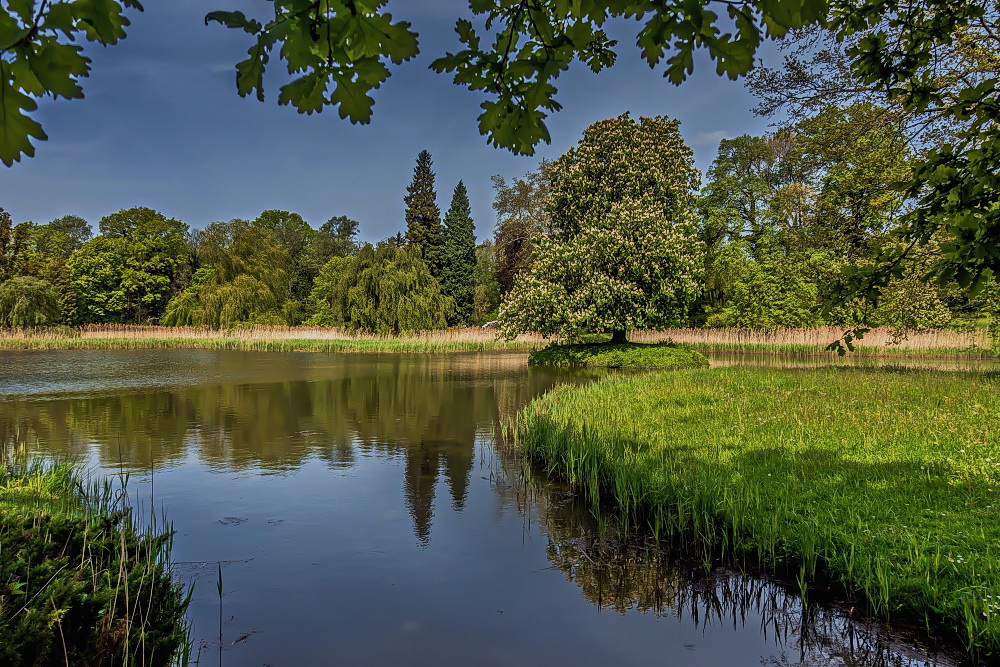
[619, 355]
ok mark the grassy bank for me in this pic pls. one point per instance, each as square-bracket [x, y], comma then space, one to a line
[883, 482]
[80, 584]
[623, 355]
[877, 343]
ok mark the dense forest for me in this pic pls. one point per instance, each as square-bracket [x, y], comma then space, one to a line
[766, 239]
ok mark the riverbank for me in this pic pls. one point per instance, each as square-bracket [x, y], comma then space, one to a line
[883, 482]
[882, 343]
[80, 583]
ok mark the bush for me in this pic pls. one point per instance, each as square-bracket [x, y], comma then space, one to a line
[619, 355]
[79, 584]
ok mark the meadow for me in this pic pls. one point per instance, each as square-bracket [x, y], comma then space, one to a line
[881, 483]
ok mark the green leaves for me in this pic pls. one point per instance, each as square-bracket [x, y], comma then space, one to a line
[339, 49]
[16, 127]
[38, 59]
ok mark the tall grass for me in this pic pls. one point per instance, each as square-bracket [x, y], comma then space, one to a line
[260, 338]
[881, 481]
[878, 342]
[81, 583]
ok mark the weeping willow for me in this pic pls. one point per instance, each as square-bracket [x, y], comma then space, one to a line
[386, 290]
[247, 281]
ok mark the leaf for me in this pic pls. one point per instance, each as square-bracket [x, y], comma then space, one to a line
[16, 128]
[352, 96]
[234, 20]
[307, 93]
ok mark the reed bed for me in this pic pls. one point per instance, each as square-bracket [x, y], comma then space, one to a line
[884, 483]
[878, 342]
[262, 338]
[81, 583]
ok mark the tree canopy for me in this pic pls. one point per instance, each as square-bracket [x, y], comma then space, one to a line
[622, 252]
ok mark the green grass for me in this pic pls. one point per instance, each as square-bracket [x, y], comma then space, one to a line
[883, 482]
[264, 345]
[619, 355]
[80, 583]
[799, 349]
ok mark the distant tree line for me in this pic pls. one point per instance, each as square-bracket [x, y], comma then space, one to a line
[617, 234]
[144, 267]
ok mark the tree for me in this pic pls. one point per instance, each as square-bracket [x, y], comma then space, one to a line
[338, 50]
[423, 217]
[243, 278]
[337, 237]
[622, 253]
[61, 237]
[458, 255]
[27, 302]
[521, 220]
[387, 290]
[297, 237]
[14, 240]
[487, 294]
[96, 271]
[154, 251]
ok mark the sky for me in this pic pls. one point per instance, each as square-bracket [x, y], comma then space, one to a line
[162, 126]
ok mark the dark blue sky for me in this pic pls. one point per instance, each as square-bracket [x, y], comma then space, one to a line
[163, 127]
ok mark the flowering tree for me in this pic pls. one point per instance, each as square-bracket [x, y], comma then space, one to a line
[622, 252]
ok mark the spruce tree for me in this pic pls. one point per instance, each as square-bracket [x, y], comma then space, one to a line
[458, 255]
[423, 218]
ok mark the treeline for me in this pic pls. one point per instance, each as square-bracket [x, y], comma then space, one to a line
[143, 267]
[619, 233]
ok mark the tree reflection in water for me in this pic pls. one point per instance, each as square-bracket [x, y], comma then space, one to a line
[625, 572]
[429, 412]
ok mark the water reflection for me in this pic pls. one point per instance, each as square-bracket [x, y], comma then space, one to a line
[426, 409]
[625, 573]
[346, 465]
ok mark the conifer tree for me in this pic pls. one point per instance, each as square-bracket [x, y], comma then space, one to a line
[458, 255]
[423, 217]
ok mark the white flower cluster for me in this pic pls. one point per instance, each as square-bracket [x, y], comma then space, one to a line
[623, 253]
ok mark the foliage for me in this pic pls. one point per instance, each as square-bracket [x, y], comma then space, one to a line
[39, 56]
[96, 271]
[339, 42]
[245, 273]
[423, 218]
[878, 481]
[486, 298]
[129, 272]
[14, 240]
[79, 584]
[521, 220]
[534, 42]
[624, 355]
[622, 253]
[295, 235]
[337, 237]
[769, 294]
[61, 237]
[28, 302]
[458, 256]
[384, 290]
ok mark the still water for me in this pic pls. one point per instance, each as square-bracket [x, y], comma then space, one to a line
[361, 514]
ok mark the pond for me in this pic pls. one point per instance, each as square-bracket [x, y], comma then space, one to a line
[360, 511]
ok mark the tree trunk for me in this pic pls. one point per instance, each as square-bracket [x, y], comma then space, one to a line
[618, 336]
